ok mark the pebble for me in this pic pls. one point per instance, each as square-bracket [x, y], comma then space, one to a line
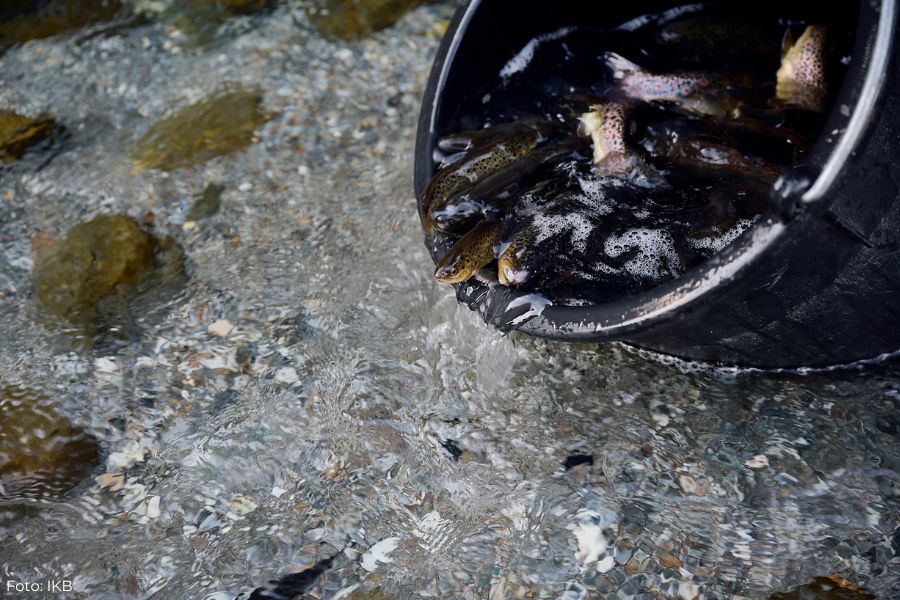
[221, 328]
[287, 375]
[757, 462]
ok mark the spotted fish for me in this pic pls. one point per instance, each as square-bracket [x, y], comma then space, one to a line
[469, 254]
[709, 94]
[510, 268]
[606, 124]
[800, 81]
[497, 192]
[478, 163]
[706, 158]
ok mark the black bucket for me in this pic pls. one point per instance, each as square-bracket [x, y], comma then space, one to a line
[815, 282]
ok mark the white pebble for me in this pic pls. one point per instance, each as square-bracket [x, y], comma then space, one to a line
[221, 328]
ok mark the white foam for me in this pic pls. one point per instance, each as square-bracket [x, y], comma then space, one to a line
[575, 223]
[656, 257]
[595, 193]
[523, 58]
[379, 553]
[536, 305]
[717, 243]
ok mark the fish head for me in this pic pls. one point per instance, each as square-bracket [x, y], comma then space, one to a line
[453, 269]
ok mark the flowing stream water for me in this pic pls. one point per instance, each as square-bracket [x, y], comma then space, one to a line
[349, 407]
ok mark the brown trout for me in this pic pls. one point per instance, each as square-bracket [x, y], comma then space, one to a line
[800, 81]
[510, 270]
[470, 253]
[478, 163]
[708, 94]
[606, 124]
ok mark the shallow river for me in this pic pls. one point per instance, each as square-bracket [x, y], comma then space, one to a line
[350, 408]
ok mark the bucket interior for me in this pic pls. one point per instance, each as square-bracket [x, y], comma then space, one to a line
[489, 34]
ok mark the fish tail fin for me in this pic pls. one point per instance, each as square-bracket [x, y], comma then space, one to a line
[619, 66]
[787, 42]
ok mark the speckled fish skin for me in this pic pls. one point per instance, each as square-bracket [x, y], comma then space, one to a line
[718, 159]
[510, 267]
[716, 37]
[606, 124]
[470, 253]
[800, 81]
[467, 140]
[494, 193]
[707, 158]
[475, 166]
[708, 94]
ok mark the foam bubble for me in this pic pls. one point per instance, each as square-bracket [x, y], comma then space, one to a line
[575, 223]
[717, 243]
[656, 256]
[596, 193]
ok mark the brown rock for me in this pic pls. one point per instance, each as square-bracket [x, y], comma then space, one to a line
[213, 126]
[98, 267]
[41, 454]
[356, 19]
[18, 133]
[24, 20]
[669, 561]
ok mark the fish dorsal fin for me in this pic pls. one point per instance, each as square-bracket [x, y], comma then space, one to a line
[787, 42]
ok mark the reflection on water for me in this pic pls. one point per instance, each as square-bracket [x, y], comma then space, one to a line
[349, 409]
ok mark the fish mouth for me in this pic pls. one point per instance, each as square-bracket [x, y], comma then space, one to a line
[442, 275]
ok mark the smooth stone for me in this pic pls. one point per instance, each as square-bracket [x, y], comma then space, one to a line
[24, 20]
[18, 133]
[93, 273]
[357, 19]
[214, 126]
[42, 455]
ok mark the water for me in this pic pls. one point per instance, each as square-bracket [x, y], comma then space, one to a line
[355, 410]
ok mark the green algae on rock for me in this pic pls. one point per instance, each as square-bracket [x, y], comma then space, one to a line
[216, 125]
[356, 19]
[24, 20]
[199, 19]
[42, 455]
[91, 276]
[18, 133]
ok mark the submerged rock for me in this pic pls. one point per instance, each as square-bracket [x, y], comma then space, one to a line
[42, 455]
[18, 133]
[90, 277]
[832, 587]
[228, 8]
[216, 125]
[207, 203]
[199, 19]
[24, 20]
[373, 594]
[356, 19]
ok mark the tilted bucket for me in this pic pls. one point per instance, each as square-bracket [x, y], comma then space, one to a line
[816, 280]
